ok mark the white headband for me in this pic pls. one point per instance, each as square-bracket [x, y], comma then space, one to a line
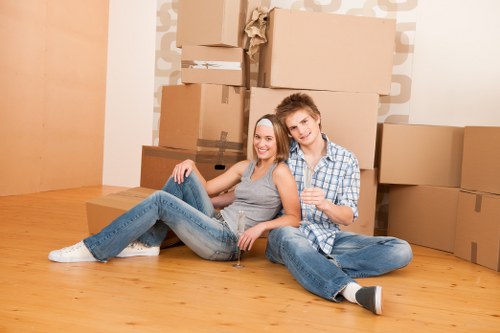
[265, 122]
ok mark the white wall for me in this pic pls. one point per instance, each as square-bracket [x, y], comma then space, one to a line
[456, 69]
[129, 89]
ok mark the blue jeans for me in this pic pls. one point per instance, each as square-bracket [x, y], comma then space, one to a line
[184, 208]
[353, 256]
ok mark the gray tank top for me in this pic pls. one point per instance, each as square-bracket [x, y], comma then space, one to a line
[259, 199]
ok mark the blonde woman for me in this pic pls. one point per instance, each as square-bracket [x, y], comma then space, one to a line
[264, 186]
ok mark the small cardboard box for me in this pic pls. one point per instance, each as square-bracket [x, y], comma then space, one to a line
[324, 51]
[477, 237]
[481, 159]
[421, 155]
[209, 64]
[101, 211]
[159, 162]
[203, 117]
[367, 205]
[349, 119]
[214, 22]
[424, 215]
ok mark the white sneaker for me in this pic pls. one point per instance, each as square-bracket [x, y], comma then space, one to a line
[73, 253]
[137, 249]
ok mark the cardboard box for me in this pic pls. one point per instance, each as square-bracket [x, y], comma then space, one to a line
[214, 22]
[481, 159]
[421, 155]
[158, 163]
[424, 215]
[218, 65]
[367, 204]
[349, 119]
[203, 117]
[324, 51]
[477, 237]
[101, 211]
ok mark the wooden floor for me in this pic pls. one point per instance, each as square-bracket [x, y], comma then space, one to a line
[178, 292]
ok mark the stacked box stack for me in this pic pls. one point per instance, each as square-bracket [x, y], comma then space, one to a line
[444, 188]
[204, 118]
[422, 166]
[477, 236]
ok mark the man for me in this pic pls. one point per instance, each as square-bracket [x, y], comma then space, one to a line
[321, 257]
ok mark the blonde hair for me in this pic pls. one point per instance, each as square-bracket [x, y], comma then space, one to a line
[282, 138]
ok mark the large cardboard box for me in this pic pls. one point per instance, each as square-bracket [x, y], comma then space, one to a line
[209, 64]
[481, 159]
[424, 215]
[203, 117]
[349, 119]
[367, 205]
[159, 162]
[214, 22]
[421, 155]
[323, 51]
[101, 211]
[477, 237]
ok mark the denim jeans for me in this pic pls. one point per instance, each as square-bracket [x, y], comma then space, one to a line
[353, 256]
[184, 208]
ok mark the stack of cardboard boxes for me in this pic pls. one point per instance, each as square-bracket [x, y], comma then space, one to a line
[445, 189]
[205, 118]
[344, 63]
[477, 234]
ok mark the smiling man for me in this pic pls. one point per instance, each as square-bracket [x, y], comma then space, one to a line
[321, 257]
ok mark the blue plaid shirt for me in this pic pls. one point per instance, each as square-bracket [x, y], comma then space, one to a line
[337, 173]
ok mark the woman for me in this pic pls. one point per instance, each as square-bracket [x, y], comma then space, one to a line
[263, 187]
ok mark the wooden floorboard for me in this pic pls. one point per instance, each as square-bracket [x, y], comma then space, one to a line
[179, 292]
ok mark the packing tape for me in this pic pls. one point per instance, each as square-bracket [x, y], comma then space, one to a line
[479, 202]
[224, 99]
[222, 143]
[204, 64]
[473, 252]
[198, 157]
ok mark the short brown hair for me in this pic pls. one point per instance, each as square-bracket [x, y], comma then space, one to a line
[282, 139]
[294, 103]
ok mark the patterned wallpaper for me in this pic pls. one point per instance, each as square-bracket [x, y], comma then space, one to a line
[394, 107]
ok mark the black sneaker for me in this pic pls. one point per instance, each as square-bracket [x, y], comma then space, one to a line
[370, 298]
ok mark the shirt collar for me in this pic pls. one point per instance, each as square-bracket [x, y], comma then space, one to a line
[330, 147]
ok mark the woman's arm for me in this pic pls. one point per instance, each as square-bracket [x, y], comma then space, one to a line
[214, 186]
[223, 200]
[287, 188]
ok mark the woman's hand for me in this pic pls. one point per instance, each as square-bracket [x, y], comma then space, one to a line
[248, 238]
[182, 170]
